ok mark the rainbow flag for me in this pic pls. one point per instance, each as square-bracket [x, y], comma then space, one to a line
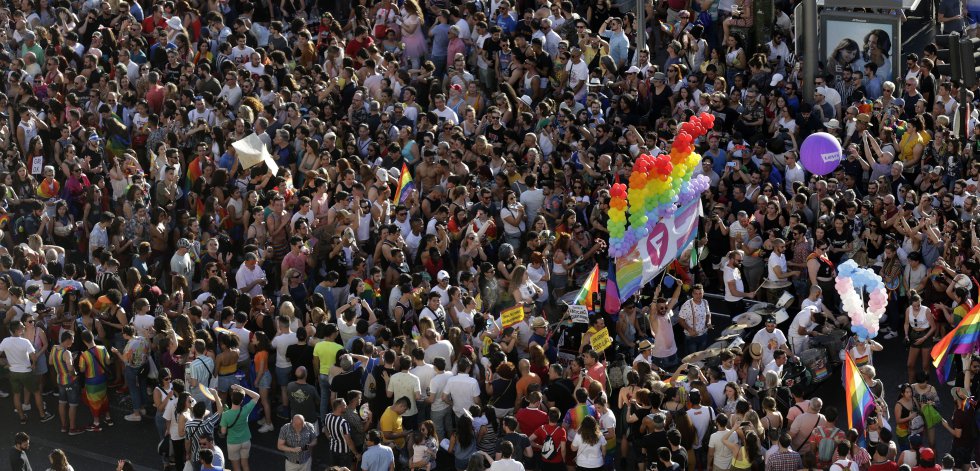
[194, 171]
[860, 401]
[405, 185]
[589, 289]
[4, 221]
[92, 364]
[961, 340]
[629, 274]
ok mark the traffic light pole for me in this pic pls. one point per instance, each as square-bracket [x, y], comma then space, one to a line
[810, 58]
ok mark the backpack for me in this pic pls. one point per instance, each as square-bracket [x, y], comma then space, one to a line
[826, 445]
[548, 447]
[616, 373]
[371, 386]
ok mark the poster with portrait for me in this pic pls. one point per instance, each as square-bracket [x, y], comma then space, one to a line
[851, 40]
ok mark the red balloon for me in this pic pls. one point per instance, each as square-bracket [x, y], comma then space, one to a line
[707, 120]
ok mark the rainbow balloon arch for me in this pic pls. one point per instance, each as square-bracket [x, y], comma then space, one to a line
[658, 185]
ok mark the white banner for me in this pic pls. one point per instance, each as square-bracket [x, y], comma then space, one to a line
[665, 242]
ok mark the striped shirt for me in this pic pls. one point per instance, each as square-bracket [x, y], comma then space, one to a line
[63, 370]
[194, 428]
[335, 427]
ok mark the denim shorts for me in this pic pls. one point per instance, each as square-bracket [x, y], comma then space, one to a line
[265, 382]
[282, 376]
[70, 394]
[226, 381]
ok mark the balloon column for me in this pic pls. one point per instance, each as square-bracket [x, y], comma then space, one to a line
[656, 186]
[617, 220]
[852, 282]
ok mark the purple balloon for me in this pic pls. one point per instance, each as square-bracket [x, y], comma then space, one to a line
[821, 153]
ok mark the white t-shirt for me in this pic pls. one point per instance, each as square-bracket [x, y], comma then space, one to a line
[243, 337]
[777, 260]
[280, 343]
[18, 351]
[508, 464]
[717, 392]
[577, 73]
[723, 456]
[700, 417]
[437, 387]
[462, 388]
[844, 465]
[770, 342]
[446, 114]
[589, 456]
[802, 319]
[425, 373]
[405, 385]
[732, 274]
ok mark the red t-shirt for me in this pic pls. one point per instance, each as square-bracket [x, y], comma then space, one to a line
[531, 419]
[557, 434]
[886, 466]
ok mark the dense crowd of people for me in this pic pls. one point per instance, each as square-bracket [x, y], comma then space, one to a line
[148, 262]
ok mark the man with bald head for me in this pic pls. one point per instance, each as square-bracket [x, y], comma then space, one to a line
[296, 441]
[805, 423]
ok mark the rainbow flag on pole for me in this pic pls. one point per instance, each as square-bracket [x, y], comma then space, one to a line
[589, 289]
[961, 340]
[405, 185]
[860, 401]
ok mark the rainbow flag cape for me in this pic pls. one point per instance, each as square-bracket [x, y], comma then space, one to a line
[405, 185]
[48, 188]
[92, 363]
[860, 401]
[194, 171]
[589, 289]
[961, 340]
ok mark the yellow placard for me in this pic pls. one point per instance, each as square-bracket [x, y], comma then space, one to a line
[512, 316]
[601, 340]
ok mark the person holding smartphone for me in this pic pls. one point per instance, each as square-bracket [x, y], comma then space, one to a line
[296, 440]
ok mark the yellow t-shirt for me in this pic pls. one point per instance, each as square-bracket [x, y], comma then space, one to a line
[391, 421]
[326, 352]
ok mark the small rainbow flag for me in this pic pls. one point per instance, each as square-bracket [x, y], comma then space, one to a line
[4, 221]
[860, 401]
[405, 185]
[961, 340]
[589, 289]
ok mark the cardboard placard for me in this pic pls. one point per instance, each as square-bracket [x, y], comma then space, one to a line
[601, 340]
[512, 316]
[37, 165]
[579, 314]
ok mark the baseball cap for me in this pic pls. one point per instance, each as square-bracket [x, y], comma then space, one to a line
[442, 275]
[927, 454]
[776, 78]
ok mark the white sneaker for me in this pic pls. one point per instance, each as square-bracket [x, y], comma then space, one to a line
[4, 393]
[890, 335]
[266, 428]
[134, 417]
[25, 407]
